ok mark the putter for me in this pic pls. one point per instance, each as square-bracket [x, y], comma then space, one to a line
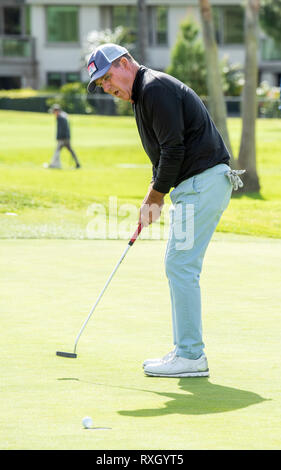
[131, 242]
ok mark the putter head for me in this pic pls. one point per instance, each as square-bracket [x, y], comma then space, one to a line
[66, 354]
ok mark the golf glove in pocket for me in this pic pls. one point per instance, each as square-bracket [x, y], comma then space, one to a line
[235, 180]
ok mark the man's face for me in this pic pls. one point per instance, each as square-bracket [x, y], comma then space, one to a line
[118, 81]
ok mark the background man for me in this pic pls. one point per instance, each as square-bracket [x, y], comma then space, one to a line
[63, 138]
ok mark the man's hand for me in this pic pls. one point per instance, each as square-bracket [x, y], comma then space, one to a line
[151, 207]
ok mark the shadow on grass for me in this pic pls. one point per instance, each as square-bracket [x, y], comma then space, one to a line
[196, 396]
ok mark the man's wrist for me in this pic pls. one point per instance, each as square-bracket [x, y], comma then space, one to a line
[155, 197]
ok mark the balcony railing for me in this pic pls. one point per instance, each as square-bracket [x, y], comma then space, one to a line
[17, 47]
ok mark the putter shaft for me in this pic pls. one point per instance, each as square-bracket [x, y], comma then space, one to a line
[131, 242]
[100, 296]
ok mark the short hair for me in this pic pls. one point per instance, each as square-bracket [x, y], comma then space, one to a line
[128, 56]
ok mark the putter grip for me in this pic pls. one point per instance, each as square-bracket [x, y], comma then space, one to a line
[136, 234]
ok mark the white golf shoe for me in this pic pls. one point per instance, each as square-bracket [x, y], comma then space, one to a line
[178, 366]
[159, 359]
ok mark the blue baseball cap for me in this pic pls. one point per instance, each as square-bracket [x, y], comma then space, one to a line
[101, 60]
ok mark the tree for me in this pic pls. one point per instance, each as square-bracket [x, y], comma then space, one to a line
[119, 35]
[216, 103]
[247, 151]
[270, 18]
[142, 31]
[71, 98]
[188, 58]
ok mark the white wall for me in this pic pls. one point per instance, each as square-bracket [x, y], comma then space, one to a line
[89, 21]
[235, 54]
[159, 57]
[37, 31]
[66, 57]
[69, 58]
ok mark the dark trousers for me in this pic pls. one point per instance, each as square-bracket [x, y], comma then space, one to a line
[56, 157]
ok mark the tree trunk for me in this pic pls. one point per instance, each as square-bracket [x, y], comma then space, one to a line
[216, 101]
[142, 31]
[247, 152]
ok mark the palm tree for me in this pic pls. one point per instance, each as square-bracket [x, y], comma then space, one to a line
[142, 31]
[216, 101]
[247, 151]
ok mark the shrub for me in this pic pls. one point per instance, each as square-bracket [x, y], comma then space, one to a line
[188, 58]
[72, 99]
[268, 100]
[124, 108]
[188, 63]
[19, 93]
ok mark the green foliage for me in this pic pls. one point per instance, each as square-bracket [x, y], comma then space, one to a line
[270, 18]
[188, 58]
[119, 35]
[188, 63]
[19, 93]
[113, 164]
[269, 100]
[232, 78]
[124, 108]
[72, 99]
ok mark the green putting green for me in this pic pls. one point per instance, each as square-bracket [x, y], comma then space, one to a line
[47, 290]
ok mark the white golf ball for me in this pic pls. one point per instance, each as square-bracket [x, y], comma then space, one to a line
[87, 422]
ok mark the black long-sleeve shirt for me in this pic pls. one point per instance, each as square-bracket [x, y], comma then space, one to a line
[63, 129]
[175, 128]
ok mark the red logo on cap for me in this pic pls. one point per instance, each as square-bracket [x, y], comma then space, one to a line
[92, 68]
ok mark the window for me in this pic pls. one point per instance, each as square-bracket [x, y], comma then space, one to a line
[15, 20]
[62, 24]
[270, 50]
[161, 25]
[12, 20]
[126, 16]
[54, 79]
[71, 77]
[10, 83]
[158, 26]
[57, 79]
[229, 24]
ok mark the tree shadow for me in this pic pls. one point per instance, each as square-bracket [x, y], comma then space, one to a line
[239, 194]
[199, 397]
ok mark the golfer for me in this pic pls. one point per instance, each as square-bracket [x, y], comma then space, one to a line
[188, 156]
[63, 138]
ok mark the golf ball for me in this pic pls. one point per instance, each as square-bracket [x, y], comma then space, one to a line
[87, 422]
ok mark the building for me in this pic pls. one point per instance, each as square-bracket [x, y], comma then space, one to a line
[42, 41]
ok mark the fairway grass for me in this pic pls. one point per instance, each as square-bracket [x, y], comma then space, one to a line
[47, 290]
[40, 203]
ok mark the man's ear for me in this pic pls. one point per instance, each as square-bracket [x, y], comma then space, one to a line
[124, 61]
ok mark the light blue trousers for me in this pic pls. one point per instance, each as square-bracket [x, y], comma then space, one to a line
[198, 204]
